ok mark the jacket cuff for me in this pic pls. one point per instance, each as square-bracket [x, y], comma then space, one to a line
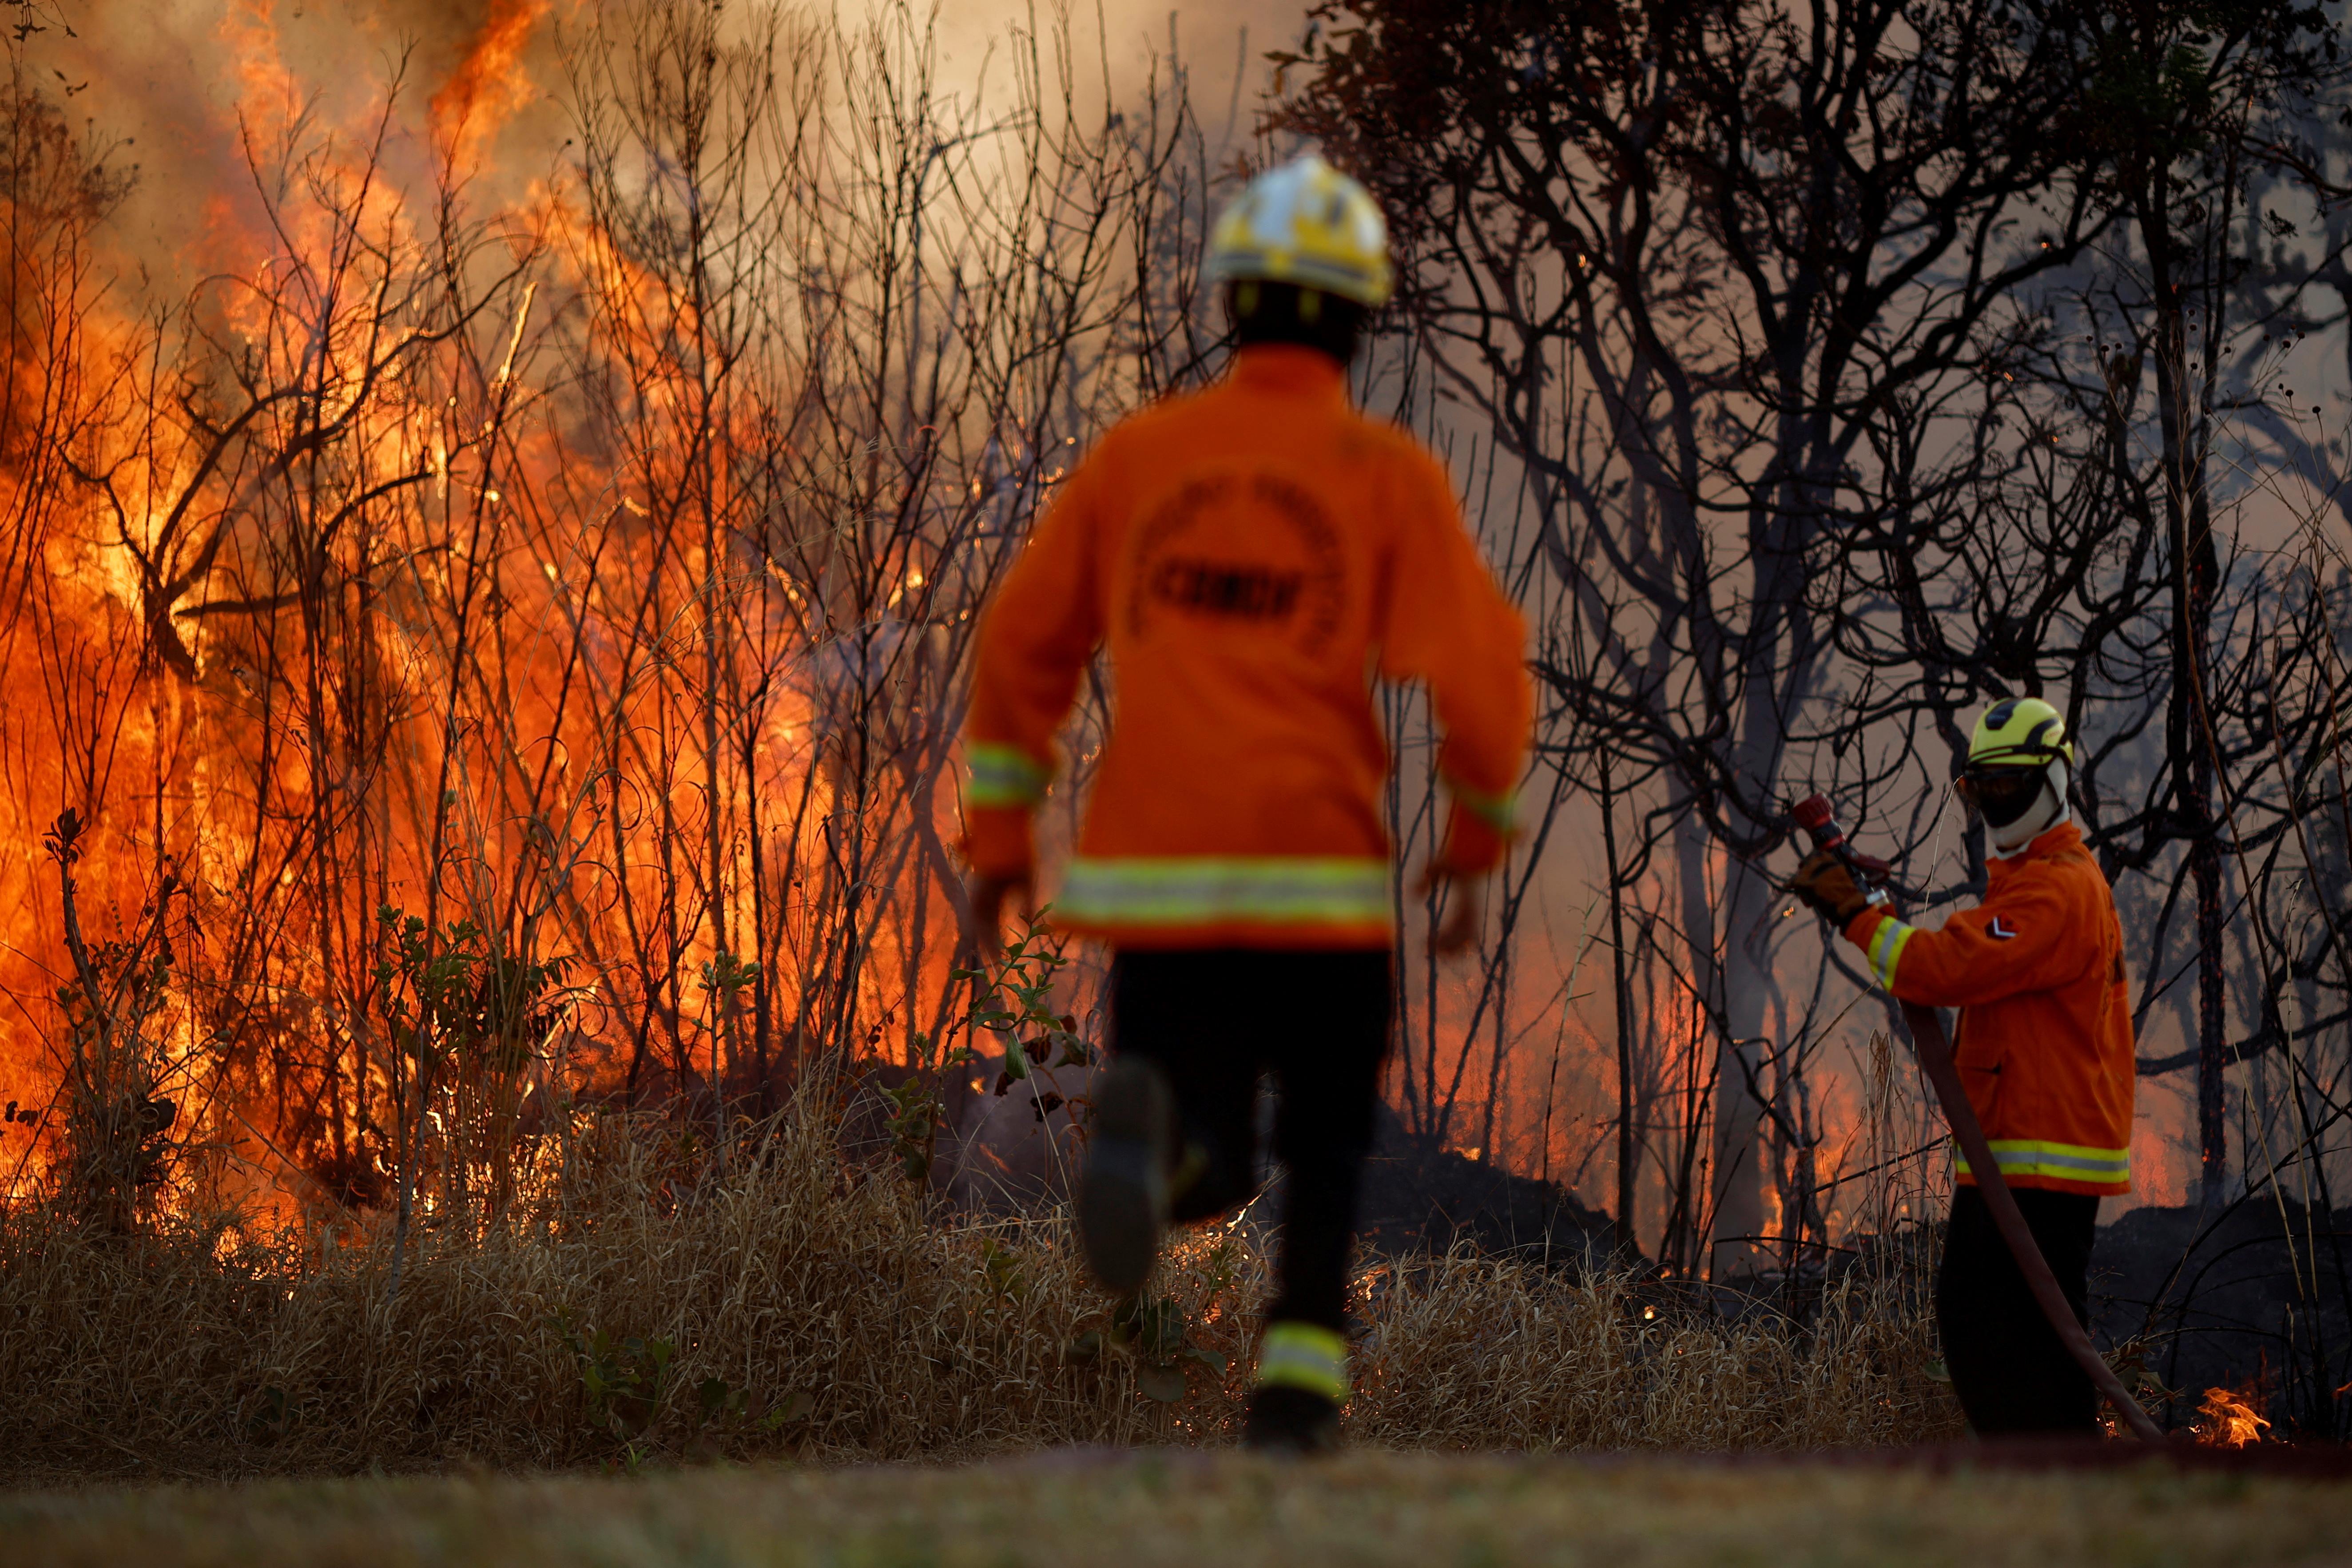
[1001, 775]
[1858, 930]
[1473, 845]
[998, 841]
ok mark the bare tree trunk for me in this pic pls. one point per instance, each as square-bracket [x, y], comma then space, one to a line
[2196, 580]
[1629, 1242]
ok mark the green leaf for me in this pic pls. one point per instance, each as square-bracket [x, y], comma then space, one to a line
[1161, 1381]
[798, 1407]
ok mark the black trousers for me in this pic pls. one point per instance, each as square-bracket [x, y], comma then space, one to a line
[1215, 1021]
[2010, 1370]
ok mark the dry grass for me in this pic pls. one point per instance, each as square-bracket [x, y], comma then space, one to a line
[817, 1313]
[1467, 1353]
[1185, 1509]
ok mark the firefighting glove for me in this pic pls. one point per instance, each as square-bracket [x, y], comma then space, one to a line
[1828, 887]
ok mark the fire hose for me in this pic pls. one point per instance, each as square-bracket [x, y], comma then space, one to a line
[1935, 1051]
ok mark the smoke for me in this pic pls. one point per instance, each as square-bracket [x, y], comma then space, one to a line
[192, 93]
[489, 83]
[1222, 44]
[191, 96]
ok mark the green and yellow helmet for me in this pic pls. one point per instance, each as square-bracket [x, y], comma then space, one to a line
[2021, 732]
[1308, 224]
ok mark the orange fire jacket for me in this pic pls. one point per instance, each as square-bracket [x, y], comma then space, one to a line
[2044, 1043]
[1254, 556]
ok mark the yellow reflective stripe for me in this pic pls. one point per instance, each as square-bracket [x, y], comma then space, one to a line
[1885, 949]
[1003, 775]
[1499, 812]
[1304, 1355]
[2064, 1161]
[1188, 889]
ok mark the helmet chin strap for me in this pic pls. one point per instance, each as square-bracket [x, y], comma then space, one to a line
[2043, 814]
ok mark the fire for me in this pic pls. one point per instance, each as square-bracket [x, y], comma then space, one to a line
[267, 94]
[455, 539]
[489, 84]
[492, 654]
[2227, 1419]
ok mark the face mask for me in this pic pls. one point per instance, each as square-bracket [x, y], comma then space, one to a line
[2030, 807]
[2005, 794]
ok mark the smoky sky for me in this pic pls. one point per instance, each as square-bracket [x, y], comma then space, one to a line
[183, 90]
[186, 89]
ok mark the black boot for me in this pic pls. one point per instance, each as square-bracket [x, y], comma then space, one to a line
[1290, 1421]
[1302, 1381]
[1123, 1196]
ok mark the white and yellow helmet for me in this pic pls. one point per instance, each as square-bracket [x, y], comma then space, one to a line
[1308, 224]
[2020, 732]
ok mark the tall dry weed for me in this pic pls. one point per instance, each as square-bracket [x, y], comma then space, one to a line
[1477, 1352]
[648, 1308]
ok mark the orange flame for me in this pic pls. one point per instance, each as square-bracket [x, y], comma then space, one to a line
[360, 612]
[2228, 1420]
[488, 85]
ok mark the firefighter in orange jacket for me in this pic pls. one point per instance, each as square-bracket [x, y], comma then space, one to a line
[2044, 1049]
[1252, 557]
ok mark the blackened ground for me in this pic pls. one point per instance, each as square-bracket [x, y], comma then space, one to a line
[998, 1154]
[2254, 1293]
[1418, 1197]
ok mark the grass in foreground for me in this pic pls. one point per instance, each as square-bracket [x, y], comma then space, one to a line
[1143, 1509]
[797, 1309]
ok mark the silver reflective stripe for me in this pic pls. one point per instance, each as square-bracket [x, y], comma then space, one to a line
[1885, 949]
[1003, 775]
[2066, 1161]
[1184, 889]
[1304, 1355]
